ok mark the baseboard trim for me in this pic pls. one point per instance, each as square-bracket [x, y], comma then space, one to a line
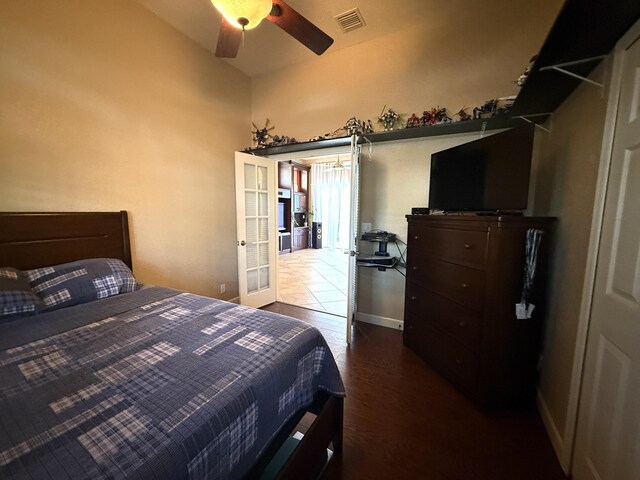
[380, 321]
[234, 300]
[554, 435]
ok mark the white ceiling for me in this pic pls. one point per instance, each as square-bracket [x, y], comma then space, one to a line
[268, 48]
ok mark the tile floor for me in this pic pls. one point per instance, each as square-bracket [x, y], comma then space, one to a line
[315, 279]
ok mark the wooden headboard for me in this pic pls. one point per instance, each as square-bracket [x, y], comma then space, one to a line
[33, 240]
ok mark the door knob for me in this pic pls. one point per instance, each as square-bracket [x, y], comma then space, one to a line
[242, 243]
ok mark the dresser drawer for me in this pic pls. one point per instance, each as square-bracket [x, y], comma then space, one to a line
[461, 284]
[467, 247]
[461, 323]
[453, 360]
[462, 274]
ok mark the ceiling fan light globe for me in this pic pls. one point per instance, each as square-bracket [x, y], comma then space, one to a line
[237, 12]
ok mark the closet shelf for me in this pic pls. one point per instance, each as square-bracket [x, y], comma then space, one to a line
[498, 122]
[584, 32]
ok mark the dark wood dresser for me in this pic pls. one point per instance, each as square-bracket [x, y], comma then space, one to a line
[464, 278]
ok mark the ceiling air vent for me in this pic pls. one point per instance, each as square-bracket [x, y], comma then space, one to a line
[350, 20]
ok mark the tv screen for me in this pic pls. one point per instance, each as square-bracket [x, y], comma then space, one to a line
[281, 216]
[489, 174]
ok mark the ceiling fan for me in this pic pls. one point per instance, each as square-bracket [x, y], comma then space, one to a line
[241, 15]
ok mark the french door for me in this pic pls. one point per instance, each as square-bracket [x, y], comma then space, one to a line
[256, 229]
[255, 289]
[354, 234]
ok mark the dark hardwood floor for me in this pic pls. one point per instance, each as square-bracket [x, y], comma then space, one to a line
[403, 421]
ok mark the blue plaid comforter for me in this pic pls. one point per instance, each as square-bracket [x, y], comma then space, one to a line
[155, 384]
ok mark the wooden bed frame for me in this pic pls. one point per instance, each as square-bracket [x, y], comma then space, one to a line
[38, 239]
[32, 240]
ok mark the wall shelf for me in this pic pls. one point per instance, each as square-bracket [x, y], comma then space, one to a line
[584, 30]
[498, 122]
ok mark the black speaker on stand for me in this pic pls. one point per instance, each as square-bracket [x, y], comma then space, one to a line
[316, 234]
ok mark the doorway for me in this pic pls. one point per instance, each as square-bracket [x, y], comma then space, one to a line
[313, 272]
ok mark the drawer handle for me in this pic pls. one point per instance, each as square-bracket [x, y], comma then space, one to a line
[416, 237]
[415, 268]
[465, 285]
[469, 245]
[463, 324]
[414, 298]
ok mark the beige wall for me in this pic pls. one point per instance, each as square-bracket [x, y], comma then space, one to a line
[461, 62]
[105, 107]
[393, 180]
[565, 188]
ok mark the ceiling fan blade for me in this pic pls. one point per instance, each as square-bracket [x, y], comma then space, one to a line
[229, 40]
[299, 27]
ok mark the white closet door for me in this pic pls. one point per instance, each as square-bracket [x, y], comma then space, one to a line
[608, 434]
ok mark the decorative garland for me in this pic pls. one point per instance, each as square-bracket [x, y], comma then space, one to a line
[389, 119]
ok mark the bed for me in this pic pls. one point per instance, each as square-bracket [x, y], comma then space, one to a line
[148, 382]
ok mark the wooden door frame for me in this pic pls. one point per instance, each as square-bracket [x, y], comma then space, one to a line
[567, 446]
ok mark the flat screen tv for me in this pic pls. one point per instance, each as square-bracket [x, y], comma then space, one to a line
[281, 216]
[487, 175]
